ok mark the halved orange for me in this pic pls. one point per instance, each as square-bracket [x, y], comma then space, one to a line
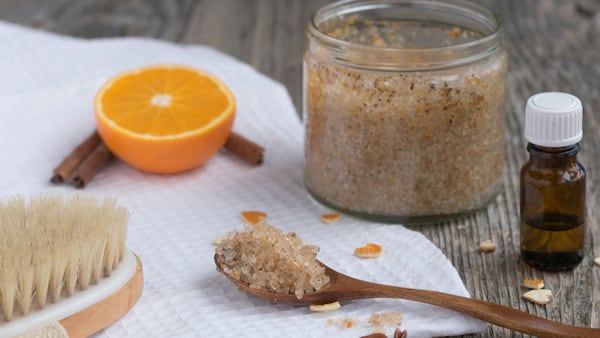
[164, 118]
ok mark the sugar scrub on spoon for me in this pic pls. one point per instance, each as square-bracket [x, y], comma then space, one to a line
[265, 258]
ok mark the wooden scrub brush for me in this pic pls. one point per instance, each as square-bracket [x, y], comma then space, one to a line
[64, 260]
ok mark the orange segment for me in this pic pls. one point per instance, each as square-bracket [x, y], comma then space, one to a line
[164, 118]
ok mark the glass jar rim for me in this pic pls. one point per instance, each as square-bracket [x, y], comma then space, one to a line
[358, 55]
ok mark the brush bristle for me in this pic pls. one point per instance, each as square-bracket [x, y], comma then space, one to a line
[51, 246]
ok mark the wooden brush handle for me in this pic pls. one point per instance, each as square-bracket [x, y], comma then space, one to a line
[108, 311]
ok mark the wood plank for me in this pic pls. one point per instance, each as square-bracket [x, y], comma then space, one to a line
[552, 45]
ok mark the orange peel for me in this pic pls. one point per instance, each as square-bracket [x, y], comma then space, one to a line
[253, 216]
[371, 250]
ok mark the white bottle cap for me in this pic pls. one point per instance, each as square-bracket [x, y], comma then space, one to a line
[553, 119]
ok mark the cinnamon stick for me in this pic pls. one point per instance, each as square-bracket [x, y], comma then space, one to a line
[64, 170]
[91, 165]
[400, 333]
[375, 335]
[88, 158]
[245, 149]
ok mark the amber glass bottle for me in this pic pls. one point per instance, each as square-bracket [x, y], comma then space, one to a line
[553, 183]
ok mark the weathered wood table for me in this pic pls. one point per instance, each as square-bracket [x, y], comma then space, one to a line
[552, 45]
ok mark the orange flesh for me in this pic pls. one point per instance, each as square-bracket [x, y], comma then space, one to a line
[129, 102]
[164, 118]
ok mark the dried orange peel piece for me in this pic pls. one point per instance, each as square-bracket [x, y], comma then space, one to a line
[534, 283]
[347, 323]
[487, 246]
[371, 250]
[253, 216]
[330, 218]
[540, 297]
[325, 307]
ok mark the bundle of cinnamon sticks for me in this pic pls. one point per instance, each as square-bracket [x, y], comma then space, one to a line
[82, 164]
[91, 155]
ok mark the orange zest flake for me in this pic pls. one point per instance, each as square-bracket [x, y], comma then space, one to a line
[330, 218]
[347, 323]
[455, 32]
[541, 296]
[534, 283]
[487, 246]
[253, 216]
[325, 307]
[371, 250]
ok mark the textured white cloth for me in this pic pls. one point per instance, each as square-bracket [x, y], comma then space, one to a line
[47, 85]
[54, 330]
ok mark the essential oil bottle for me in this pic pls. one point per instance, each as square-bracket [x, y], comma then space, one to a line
[553, 183]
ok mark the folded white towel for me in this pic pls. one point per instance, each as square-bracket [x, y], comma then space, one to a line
[46, 107]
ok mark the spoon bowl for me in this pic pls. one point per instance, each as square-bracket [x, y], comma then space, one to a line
[342, 287]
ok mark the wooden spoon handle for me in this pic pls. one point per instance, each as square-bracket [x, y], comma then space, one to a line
[492, 313]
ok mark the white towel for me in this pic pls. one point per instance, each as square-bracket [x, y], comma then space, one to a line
[47, 85]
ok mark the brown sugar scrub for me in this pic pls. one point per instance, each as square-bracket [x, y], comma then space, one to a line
[404, 119]
[265, 258]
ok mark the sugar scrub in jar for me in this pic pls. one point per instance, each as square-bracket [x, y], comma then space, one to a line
[404, 108]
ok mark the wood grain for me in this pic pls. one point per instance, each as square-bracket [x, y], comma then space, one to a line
[552, 45]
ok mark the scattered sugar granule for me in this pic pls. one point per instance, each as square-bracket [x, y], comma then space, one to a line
[371, 250]
[534, 283]
[253, 216]
[325, 307]
[538, 296]
[487, 246]
[383, 319]
[330, 218]
[219, 240]
[455, 32]
[347, 323]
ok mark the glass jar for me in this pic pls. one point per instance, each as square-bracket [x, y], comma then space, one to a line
[404, 108]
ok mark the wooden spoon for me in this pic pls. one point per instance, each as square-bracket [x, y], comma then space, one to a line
[342, 287]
